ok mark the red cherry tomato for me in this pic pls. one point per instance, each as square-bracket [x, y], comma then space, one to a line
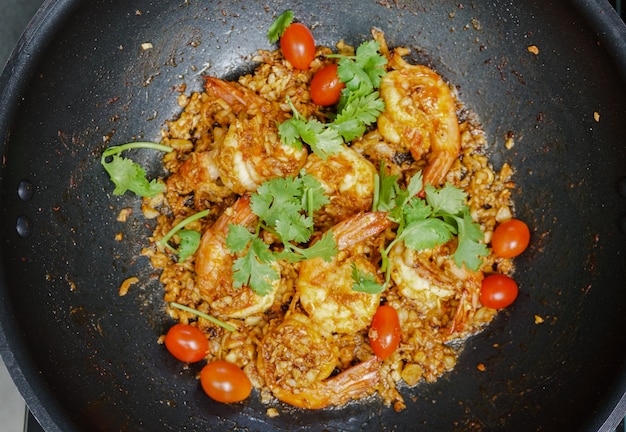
[326, 86]
[498, 291]
[186, 342]
[298, 45]
[225, 382]
[385, 332]
[510, 238]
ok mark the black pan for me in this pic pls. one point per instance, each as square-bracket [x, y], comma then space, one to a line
[86, 359]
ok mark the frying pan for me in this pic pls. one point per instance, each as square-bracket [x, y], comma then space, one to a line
[86, 359]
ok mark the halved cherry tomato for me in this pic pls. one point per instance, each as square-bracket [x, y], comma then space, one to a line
[385, 332]
[326, 86]
[510, 238]
[298, 45]
[498, 291]
[225, 382]
[186, 342]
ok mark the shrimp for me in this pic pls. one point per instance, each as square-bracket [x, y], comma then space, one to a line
[251, 151]
[296, 361]
[347, 179]
[214, 262]
[431, 279]
[420, 114]
[325, 288]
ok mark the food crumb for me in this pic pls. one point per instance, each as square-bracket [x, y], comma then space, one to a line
[538, 319]
[481, 367]
[533, 49]
[509, 143]
[596, 116]
[126, 285]
[122, 216]
[119, 236]
[272, 412]
[146, 46]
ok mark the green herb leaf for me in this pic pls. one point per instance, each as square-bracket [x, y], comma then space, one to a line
[189, 242]
[254, 269]
[365, 282]
[285, 207]
[426, 223]
[279, 26]
[126, 174]
[469, 249]
[358, 112]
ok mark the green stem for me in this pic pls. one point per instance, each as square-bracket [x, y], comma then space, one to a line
[135, 145]
[203, 315]
[181, 225]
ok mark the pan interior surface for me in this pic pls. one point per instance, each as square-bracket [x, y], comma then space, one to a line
[87, 359]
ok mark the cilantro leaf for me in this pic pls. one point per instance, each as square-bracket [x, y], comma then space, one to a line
[469, 249]
[127, 175]
[279, 26]
[358, 112]
[254, 269]
[285, 207]
[385, 188]
[238, 238]
[365, 282]
[448, 199]
[434, 220]
[426, 234]
[189, 242]
[368, 58]
[323, 140]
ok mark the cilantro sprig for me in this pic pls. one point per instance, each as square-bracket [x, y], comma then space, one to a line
[360, 105]
[279, 26]
[323, 139]
[365, 282]
[424, 223]
[285, 208]
[189, 240]
[128, 175]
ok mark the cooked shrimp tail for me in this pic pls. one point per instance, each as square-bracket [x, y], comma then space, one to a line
[296, 361]
[359, 228]
[228, 91]
[354, 383]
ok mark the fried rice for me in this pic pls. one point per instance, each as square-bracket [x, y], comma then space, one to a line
[432, 337]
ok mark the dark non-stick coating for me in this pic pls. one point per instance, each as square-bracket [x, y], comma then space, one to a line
[86, 359]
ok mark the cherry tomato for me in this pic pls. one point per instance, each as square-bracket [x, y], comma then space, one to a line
[326, 86]
[498, 291]
[510, 238]
[385, 333]
[298, 45]
[186, 342]
[225, 382]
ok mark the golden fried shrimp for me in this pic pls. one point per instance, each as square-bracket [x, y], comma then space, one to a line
[348, 181]
[213, 265]
[420, 115]
[296, 361]
[251, 151]
[430, 278]
[325, 288]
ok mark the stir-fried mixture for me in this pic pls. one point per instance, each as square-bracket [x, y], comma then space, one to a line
[322, 243]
